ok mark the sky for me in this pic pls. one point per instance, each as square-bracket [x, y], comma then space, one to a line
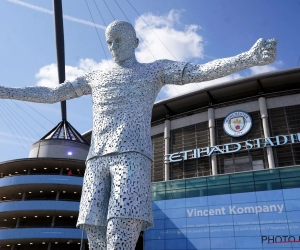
[184, 30]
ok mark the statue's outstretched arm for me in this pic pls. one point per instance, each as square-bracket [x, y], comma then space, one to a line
[263, 52]
[64, 91]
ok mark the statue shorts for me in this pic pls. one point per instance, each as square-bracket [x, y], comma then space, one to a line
[116, 186]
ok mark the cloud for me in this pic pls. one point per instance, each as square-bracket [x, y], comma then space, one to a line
[48, 76]
[159, 32]
[43, 10]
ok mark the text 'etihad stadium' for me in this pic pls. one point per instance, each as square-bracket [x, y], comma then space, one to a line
[278, 140]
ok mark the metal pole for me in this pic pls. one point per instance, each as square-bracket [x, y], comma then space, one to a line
[60, 49]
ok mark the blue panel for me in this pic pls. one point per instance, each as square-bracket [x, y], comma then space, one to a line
[220, 243]
[245, 219]
[248, 242]
[216, 221]
[274, 229]
[196, 201]
[158, 214]
[177, 203]
[175, 213]
[154, 244]
[157, 205]
[291, 194]
[292, 205]
[197, 232]
[248, 230]
[269, 195]
[41, 179]
[39, 205]
[219, 199]
[295, 229]
[41, 233]
[175, 233]
[224, 231]
[154, 234]
[243, 198]
[198, 244]
[197, 221]
[267, 218]
[175, 223]
[158, 224]
[293, 216]
[178, 244]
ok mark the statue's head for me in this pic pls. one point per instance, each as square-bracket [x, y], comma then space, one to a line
[121, 40]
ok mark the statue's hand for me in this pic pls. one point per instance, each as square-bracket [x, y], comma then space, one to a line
[263, 51]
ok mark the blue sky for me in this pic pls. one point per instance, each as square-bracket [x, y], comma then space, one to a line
[193, 30]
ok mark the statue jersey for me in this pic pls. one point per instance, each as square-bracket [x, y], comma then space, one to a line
[122, 104]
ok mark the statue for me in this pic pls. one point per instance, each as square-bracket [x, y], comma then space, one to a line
[116, 199]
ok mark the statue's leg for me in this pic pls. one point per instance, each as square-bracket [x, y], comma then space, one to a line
[96, 236]
[123, 233]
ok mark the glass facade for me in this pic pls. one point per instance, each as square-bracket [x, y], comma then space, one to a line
[249, 210]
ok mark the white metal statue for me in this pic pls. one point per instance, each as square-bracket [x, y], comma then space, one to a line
[116, 199]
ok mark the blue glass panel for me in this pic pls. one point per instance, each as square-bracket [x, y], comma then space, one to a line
[293, 216]
[221, 243]
[171, 185]
[295, 229]
[242, 187]
[195, 182]
[198, 244]
[219, 199]
[241, 177]
[156, 196]
[248, 230]
[266, 174]
[224, 220]
[290, 183]
[175, 223]
[224, 231]
[158, 224]
[218, 190]
[249, 242]
[156, 205]
[196, 201]
[175, 213]
[243, 198]
[274, 229]
[289, 172]
[291, 194]
[197, 232]
[292, 205]
[154, 244]
[269, 195]
[278, 218]
[154, 235]
[175, 244]
[158, 214]
[158, 186]
[175, 234]
[268, 185]
[175, 194]
[196, 192]
[197, 221]
[245, 219]
[217, 180]
[178, 203]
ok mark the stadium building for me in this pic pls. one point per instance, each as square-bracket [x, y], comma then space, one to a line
[225, 174]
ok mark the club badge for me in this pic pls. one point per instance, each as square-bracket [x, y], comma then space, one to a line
[237, 123]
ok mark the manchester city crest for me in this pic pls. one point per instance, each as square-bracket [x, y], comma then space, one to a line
[237, 123]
